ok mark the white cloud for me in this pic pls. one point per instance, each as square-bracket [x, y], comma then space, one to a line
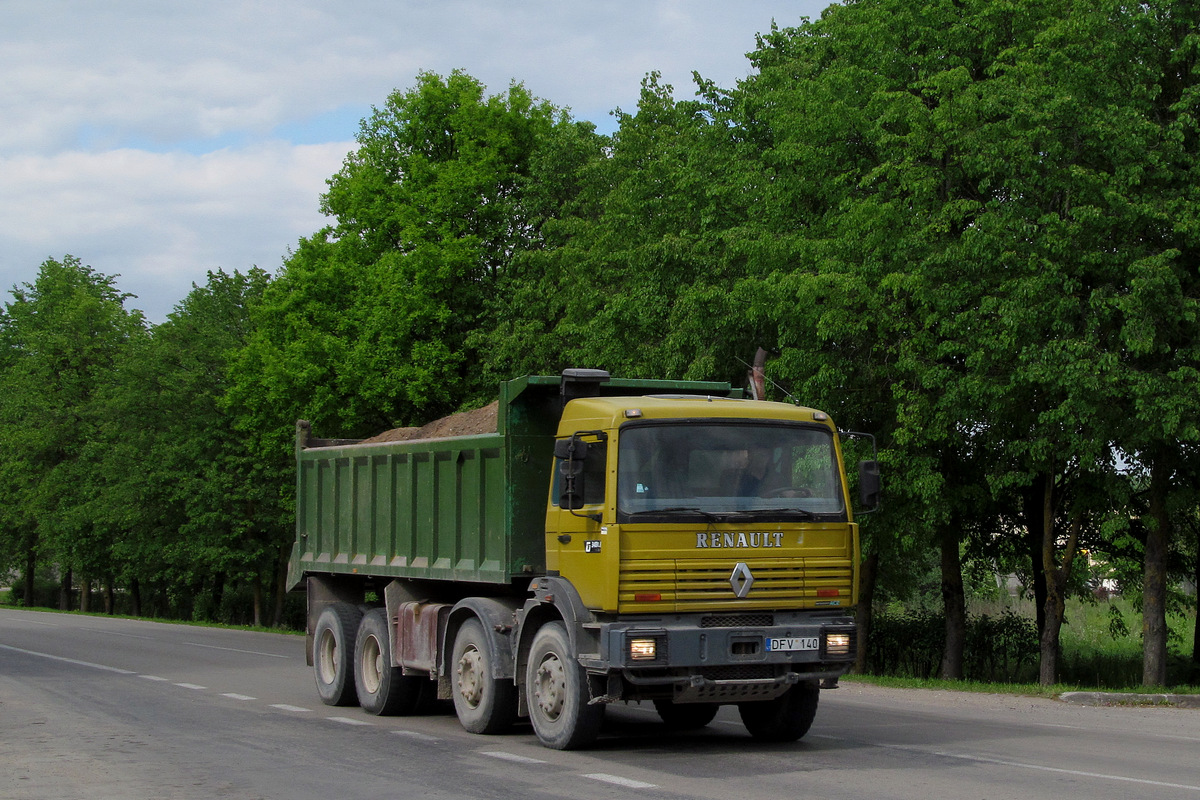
[159, 72]
[140, 135]
[162, 220]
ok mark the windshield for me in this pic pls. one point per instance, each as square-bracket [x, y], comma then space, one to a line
[727, 469]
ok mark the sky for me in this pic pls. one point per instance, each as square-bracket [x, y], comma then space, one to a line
[158, 140]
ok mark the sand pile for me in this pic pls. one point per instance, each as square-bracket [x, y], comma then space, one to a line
[464, 423]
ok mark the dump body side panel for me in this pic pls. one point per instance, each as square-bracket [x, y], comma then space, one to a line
[431, 509]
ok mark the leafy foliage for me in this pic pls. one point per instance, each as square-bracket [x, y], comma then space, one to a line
[969, 227]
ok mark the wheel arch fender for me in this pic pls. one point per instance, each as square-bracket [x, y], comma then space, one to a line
[554, 598]
[498, 618]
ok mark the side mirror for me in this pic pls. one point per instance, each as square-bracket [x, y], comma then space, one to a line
[571, 452]
[573, 448]
[870, 485]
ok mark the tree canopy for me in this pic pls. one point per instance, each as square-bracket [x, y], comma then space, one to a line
[970, 227]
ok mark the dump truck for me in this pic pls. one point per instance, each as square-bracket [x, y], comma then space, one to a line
[611, 541]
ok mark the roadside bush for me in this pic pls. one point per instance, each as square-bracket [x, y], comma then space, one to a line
[1001, 648]
[45, 594]
[909, 644]
[906, 644]
[1101, 644]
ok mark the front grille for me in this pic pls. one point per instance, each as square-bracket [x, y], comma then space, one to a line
[737, 621]
[704, 584]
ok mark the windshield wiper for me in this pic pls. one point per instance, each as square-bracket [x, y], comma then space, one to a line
[789, 513]
[708, 515]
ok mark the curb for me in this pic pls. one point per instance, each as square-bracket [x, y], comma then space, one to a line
[1128, 699]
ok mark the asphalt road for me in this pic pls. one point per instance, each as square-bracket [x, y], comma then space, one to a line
[102, 708]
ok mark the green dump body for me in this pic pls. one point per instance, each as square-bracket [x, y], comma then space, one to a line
[466, 509]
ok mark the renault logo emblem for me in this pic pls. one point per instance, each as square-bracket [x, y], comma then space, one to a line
[741, 580]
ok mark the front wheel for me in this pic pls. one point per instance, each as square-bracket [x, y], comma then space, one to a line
[483, 703]
[556, 690]
[382, 688]
[785, 719]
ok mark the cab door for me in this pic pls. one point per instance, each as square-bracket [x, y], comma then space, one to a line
[578, 544]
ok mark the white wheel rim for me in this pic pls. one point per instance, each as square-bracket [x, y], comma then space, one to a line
[470, 676]
[550, 686]
[327, 655]
[372, 664]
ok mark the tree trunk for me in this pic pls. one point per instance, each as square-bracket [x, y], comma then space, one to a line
[217, 593]
[1194, 677]
[1057, 579]
[110, 599]
[1048, 664]
[135, 597]
[258, 601]
[64, 591]
[1154, 586]
[85, 594]
[954, 603]
[30, 577]
[863, 615]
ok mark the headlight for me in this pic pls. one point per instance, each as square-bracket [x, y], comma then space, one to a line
[643, 649]
[839, 644]
[646, 647]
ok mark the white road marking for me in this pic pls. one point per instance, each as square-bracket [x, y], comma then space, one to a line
[1076, 772]
[286, 707]
[628, 783]
[500, 754]
[1038, 767]
[349, 721]
[152, 678]
[236, 696]
[74, 661]
[126, 635]
[194, 686]
[421, 737]
[236, 650]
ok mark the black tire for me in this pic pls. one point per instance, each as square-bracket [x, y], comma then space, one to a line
[557, 694]
[483, 703]
[785, 719]
[382, 689]
[333, 654]
[685, 716]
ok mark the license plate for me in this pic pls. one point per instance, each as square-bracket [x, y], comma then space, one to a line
[794, 643]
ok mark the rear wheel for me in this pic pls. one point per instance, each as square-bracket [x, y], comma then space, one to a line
[685, 716]
[784, 719]
[484, 703]
[382, 688]
[333, 654]
[556, 690]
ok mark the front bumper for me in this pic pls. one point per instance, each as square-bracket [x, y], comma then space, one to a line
[721, 657]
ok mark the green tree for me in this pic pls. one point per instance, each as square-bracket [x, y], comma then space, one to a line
[199, 510]
[962, 201]
[63, 336]
[654, 243]
[382, 318]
